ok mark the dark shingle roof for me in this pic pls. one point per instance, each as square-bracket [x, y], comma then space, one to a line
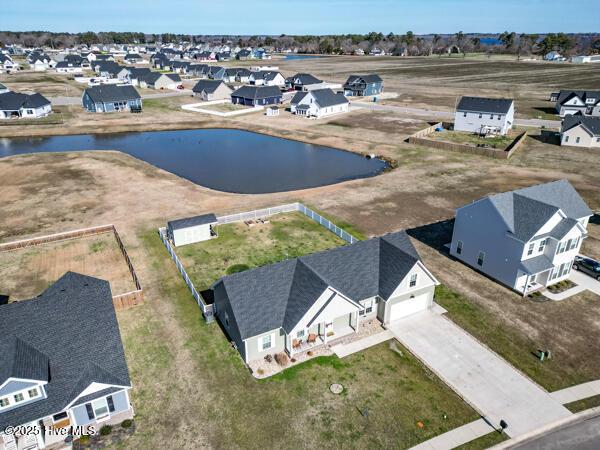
[326, 97]
[484, 105]
[13, 101]
[536, 265]
[192, 221]
[208, 86]
[255, 92]
[112, 93]
[368, 79]
[526, 210]
[591, 124]
[565, 95]
[278, 295]
[304, 79]
[71, 329]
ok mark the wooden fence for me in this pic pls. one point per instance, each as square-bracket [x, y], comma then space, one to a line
[121, 301]
[419, 139]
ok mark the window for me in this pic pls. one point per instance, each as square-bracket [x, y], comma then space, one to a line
[413, 280]
[369, 309]
[300, 334]
[491, 116]
[499, 117]
[480, 259]
[561, 248]
[266, 342]
[480, 115]
[542, 246]
[566, 138]
[459, 246]
[33, 393]
[60, 416]
[4, 402]
[100, 408]
[530, 249]
[577, 140]
[226, 320]
[19, 397]
[464, 114]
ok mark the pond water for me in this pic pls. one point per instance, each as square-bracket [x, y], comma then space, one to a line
[225, 160]
[303, 56]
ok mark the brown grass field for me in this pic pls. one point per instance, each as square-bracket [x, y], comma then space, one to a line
[27, 272]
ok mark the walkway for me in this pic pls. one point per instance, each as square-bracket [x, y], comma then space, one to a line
[343, 350]
[578, 392]
[583, 282]
[491, 385]
[448, 115]
[457, 436]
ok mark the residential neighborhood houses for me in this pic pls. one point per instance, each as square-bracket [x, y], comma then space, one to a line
[111, 98]
[319, 103]
[19, 105]
[573, 102]
[484, 115]
[209, 90]
[580, 131]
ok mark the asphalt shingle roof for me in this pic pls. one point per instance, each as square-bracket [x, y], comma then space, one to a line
[591, 124]
[208, 86]
[256, 92]
[13, 101]
[68, 335]
[484, 105]
[112, 93]
[326, 97]
[278, 295]
[357, 79]
[565, 95]
[192, 221]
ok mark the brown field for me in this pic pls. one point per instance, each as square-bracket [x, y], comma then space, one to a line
[27, 272]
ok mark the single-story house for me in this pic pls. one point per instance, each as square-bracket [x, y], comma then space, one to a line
[138, 74]
[319, 103]
[63, 365]
[192, 229]
[133, 58]
[484, 115]
[18, 105]
[302, 303]
[267, 78]
[198, 70]
[256, 95]
[243, 76]
[526, 239]
[216, 72]
[580, 131]
[209, 90]
[363, 85]
[67, 67]
[110, 98]
[244, 54]
[300, 80]
[157, 80]
[573, 102]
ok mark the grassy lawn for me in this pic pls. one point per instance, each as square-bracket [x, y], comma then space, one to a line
[224, 107]
[191, 388]
[462, 137]
[582, 405]
[347, 227]
[487, 441]
[510, 343]
[240, 247]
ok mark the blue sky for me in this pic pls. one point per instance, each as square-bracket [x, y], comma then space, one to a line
[300, 16]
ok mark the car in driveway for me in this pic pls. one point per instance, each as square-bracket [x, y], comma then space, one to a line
[588, 266]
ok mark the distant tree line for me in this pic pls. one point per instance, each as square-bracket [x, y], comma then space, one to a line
[408, 43]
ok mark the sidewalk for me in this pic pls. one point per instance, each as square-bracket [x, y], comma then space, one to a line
[578, 392]
[457, 437]
[343, 350]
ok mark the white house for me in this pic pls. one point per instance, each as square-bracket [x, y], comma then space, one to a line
[18, 105]
[302, 303]
[585, 59]
[192, 229]
[319, 103]
[580, 131]
[526, 239]
[484, 115]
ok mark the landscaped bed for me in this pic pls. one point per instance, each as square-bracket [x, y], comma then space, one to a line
[240, 246]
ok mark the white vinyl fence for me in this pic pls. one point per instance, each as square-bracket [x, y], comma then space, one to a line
[207, 310]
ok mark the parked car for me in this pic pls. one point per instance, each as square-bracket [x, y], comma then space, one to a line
[587, 265]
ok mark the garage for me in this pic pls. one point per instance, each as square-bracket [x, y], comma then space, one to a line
[411, 306]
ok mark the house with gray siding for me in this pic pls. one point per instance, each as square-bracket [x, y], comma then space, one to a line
[570, 102]
[301, 303]
[526, 239]
[256, 95]
[111, 98]
[484, 115]
[363, 85]
[62, 365]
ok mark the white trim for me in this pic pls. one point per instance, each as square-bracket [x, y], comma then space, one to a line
[24, 380]
[261, 347]
[88, 391]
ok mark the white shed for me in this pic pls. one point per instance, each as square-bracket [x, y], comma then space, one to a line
[192, 229]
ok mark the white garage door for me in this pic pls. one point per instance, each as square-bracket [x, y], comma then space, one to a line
[569, 112]
[408, 307]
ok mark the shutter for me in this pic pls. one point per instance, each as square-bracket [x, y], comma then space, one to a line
[111, 404]
[90, 411]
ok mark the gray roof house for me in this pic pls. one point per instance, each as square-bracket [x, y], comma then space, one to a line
[19, 105]
[209, 90]
[111, 98]
[299, 81]
[300, 303]
[526, 239]
[484, 115]
[363, 85]
[319, 103]
[578, 130]
[256, 95]
[62, 362]
[572, 102]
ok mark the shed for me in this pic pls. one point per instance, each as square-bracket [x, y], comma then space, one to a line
[272, 111]
[192, 229]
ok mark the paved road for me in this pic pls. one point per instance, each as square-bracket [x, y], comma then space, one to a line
[485, 380]
[65, 101]
[584, 435]
[445, 115]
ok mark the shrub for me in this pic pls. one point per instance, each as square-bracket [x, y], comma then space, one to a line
[309, 353]
[281, 358]
[127, 423]
[84, 439]
[293, 360]
[237, 268]
[260, 372]
[269, 358]
[105, 430]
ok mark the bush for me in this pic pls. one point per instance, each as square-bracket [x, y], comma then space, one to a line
[281, 359]
[293, 360]
[127, 423]
[260, 372]
[105, 430]
[237, 268]
[268, 358]
[84, 439]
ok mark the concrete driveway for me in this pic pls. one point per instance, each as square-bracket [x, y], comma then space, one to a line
[491, 385]
[585, 281]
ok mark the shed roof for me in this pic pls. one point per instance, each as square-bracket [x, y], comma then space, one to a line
[203, 219]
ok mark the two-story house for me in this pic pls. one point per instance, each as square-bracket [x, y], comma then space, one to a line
[62, 365]
[573, 102]
[319, 103]
[305, 302]
[484, 115]
[580, 131]
[526, 239]
[363, 85]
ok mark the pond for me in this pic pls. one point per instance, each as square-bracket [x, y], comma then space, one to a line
[303, 56]
[222, 159]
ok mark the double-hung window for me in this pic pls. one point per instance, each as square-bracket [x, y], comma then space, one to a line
[413, 280]
[33, 393]
[4, 402]
[266, 342]
[19, 397]
[542, 246]
[480, 259]
[530, 249]
[459, 247]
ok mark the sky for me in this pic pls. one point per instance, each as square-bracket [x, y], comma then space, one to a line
[274, 17]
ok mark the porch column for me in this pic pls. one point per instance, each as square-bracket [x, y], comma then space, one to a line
[526, 284]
